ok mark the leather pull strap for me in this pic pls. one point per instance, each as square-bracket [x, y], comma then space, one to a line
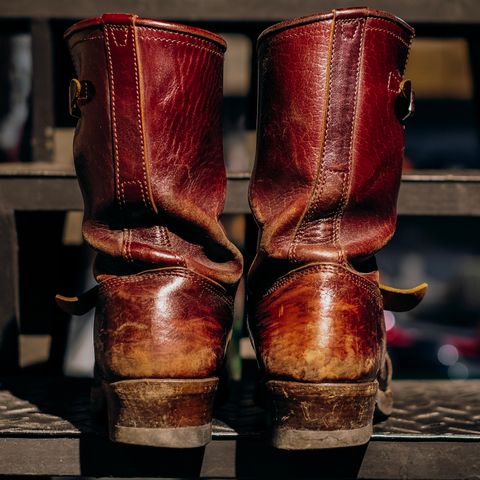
[132, 179]
[78, 305]
[402, 300]
[394, 299]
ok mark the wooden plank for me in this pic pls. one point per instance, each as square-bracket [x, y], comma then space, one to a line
[441, 193]
[42, 91]
[239, 459]
[61, 193]
[45, 429]
[439, 11]
[9, 306]
[422, 193]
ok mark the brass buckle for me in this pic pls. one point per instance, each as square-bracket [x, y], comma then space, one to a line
[79, 93]
[405, 104]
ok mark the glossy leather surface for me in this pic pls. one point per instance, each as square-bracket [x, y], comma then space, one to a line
[148, 147]
[324, 190]
[170, 323]
[149, 158]
[322, 323]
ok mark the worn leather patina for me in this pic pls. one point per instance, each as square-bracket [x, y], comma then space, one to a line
[324, 190]
[149, 159]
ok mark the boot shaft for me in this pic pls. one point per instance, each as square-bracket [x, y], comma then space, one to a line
[330, 142]
[148, 154]
[148, 145]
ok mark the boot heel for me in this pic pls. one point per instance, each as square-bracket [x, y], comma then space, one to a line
[161, 413]
[316, 416]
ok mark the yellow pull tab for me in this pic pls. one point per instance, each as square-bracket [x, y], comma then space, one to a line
[79, 92]
[73, 94]
[402, 300]
[78, 305]
[405, 104]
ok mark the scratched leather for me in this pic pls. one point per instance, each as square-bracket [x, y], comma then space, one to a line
[148, 154]
[320, 324]
[148, 146]
[324, 190]
[166, 324]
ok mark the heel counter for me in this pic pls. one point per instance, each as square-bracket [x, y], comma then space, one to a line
[320, 323]
[167, 324]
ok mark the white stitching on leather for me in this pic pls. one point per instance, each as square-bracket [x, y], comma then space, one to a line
[125, 40]
[139, 120]
[389, 33]
[114, 119]
[345, 188]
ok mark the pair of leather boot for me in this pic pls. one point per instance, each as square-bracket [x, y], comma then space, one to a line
[148, 153]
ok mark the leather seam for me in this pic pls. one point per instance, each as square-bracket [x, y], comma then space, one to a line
[211, 45]
[346, 184]
[125, 40]
[408, 55]
[189, 36]
[324, 268]
[124, 244]
[280, 39]
[316, 24]
[312, 26]
[385, 20]
[342, 31]
[166, 40]
[390, 22]
[114, 119]
[118, 189]
[165, 237]
[137, 182]
[139, 118]
[126, 248]
[108, 284]
[129, 248]
[318, 188]
[180, 42]
[389, 33]
[391, 76]
[351, 20]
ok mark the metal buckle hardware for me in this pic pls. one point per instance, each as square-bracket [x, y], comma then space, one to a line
[405, 104]
[80, 92]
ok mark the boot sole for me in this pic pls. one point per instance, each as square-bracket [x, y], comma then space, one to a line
[321, 415]
[167, 413]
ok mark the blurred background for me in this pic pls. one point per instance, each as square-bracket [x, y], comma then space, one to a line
[439, 339]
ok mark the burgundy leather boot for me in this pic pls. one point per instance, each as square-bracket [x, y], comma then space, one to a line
[329, 159]
[148, 154]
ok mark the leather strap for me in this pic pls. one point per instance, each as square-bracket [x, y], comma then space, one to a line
[80, 92]
[402, 300]
[132, 179]
[394, 299]
[80, 304]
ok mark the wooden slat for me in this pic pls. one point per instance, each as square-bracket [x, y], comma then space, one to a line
[239, 459]
[440, 11]
[42, 89]
[9, 296]
[27, 187]
[440, 193]
[434, 432]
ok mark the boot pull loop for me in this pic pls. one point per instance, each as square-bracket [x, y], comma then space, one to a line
[402, 300]
[78, 305]
[80, 92]
[405, 103]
